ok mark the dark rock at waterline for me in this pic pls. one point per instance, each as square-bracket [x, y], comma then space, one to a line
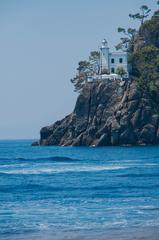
[36, 143]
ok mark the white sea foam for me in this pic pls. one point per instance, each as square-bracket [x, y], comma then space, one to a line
[64, 170]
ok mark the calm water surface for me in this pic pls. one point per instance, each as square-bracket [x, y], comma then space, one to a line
[78, 193]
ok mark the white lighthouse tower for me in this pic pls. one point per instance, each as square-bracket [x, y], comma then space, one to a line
[104, 57]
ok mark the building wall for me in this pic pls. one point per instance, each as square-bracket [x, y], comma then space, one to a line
[118, 60]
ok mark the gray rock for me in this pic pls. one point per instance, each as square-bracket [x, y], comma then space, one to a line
[36, 143]
[104, 117]
[147, 135]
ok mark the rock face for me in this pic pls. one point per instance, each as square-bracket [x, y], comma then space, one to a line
[107, 113]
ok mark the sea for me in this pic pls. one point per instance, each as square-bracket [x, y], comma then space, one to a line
[78, 193]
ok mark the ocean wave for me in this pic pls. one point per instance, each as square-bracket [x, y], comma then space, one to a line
[150, 208]
[100, 190]
[63, 170]
[41, 159]
[138, 175]
[146, 158]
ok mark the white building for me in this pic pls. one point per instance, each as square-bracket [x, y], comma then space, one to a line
[109, 62]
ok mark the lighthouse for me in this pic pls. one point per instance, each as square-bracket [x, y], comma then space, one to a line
[111, 61]
[104, 57]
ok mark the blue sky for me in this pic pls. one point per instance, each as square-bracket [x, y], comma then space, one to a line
[41, 43]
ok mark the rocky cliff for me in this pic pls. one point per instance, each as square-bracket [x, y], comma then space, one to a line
[117, 112]
[107, 113]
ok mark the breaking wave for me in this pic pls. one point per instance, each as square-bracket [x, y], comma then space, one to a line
[57, 170]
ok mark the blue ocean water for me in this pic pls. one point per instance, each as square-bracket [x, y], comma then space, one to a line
[78, 193]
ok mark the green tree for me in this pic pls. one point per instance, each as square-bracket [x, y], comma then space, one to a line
[94, 60]
[142, 15]
[86, 69]
[145, 70]
[128, 38]
[94, 56]
[127, 41]
[105, 71]
[120, 71]
[82, 74]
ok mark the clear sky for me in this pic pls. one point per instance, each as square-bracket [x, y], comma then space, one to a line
[41, 43]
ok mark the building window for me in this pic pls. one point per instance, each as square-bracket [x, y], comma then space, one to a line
[112, 70]
[120, 60]
[112, 60]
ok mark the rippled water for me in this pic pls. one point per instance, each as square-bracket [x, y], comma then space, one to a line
[78, 193]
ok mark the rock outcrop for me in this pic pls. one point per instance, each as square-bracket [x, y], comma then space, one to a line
[117, 112]
[107, 113]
